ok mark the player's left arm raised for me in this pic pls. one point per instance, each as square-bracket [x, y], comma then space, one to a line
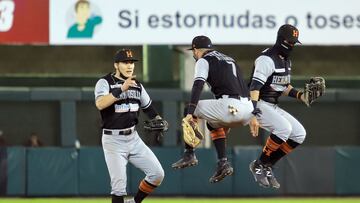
[313, 89]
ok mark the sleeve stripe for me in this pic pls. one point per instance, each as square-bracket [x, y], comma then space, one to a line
[280, 70]
[259, 80]
[147, 105]
[200, 78]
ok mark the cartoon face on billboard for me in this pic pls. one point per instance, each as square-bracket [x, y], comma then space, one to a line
[85, 20]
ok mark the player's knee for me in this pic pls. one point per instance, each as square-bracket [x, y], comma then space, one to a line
[299, 136]
[159, 177]
[284, 132]
[288, 129]
[302, 136]
[303, 132]
[301, 139]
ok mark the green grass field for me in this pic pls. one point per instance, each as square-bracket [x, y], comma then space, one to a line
[185, 200]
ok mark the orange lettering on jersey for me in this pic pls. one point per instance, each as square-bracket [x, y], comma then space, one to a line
[129, 54]
[295, 33]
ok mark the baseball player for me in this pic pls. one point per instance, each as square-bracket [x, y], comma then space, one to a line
[231, 106]
[119, 97]
[270, 80]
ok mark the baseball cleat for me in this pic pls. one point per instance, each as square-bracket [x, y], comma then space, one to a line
[258, 171]
[271, 178]
[223, 169]
[188, 159]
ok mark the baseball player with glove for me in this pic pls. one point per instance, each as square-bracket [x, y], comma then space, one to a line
[230, 108]
[271, 79]
[119, 97]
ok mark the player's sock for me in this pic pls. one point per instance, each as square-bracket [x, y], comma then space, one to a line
[145, 188]
[220, 146]
[272, 144]
[217, 134]
[219, 139]
[284, 149]
[276, 156]
[117, 199]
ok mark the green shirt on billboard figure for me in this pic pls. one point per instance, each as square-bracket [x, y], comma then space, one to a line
[85, 23]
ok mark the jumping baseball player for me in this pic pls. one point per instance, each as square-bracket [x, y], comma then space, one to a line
[119, 97]
[270, 80]
[232, 106]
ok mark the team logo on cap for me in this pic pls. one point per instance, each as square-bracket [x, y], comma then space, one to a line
[129, 54]
[295, 33]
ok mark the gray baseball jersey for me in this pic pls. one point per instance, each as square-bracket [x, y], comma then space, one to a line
[274, 73]
[120, 140]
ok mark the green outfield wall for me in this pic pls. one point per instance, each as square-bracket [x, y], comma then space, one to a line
[308, 171]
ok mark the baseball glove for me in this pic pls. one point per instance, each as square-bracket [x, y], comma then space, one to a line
[191, 132]
[314, 89]
[156, 124]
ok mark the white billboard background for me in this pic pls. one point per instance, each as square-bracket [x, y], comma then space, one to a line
[137, 22]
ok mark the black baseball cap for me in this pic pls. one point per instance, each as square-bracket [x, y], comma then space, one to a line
[123, 55]
[289, 33]
[200, 42]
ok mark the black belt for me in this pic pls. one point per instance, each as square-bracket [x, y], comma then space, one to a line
[119, 132]
[233, 96]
